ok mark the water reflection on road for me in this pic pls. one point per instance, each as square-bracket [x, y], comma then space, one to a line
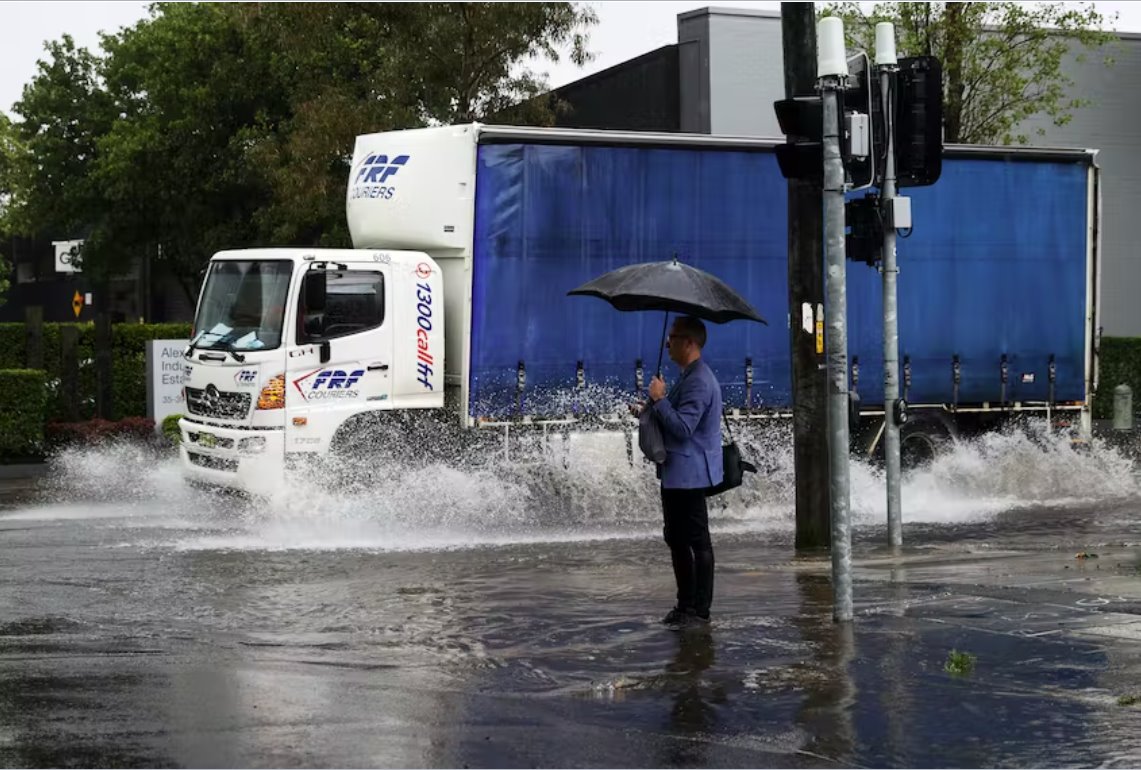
[472, 618]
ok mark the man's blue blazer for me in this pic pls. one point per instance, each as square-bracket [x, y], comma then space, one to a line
[690, 416]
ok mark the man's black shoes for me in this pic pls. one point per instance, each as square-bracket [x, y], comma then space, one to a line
[679, 618]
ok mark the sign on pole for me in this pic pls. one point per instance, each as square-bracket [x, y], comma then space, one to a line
[165, 377]
[67, 256]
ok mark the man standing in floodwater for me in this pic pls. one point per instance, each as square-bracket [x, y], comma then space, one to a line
[690, 419]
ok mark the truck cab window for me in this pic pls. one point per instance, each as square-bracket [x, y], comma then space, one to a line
[354, 302]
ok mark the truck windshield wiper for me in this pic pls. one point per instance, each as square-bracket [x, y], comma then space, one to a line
[221, 347]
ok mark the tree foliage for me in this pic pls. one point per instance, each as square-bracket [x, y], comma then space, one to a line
[359, 68]
[175, 167]
[1002, 61]
[9, 152]
[215, 125]
[55, 148]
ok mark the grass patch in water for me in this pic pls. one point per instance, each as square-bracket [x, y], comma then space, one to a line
[1129, 700]
[959, 663]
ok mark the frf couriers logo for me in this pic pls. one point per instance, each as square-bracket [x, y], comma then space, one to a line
[246, 377]
[372, 174]
[329, 383]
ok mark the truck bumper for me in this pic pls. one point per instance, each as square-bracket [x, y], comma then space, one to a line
[243, 460]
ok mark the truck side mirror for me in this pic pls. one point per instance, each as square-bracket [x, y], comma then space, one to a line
[316, 288]
[314, 301]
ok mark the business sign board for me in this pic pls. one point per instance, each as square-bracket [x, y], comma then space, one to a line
[67, 256]
[165, 378]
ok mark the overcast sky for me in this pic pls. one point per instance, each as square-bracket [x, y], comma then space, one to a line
[625, 30]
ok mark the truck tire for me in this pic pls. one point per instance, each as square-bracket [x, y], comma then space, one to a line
[400, 439]
[923, 438]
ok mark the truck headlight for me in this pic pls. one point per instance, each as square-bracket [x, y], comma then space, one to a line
[272, 396]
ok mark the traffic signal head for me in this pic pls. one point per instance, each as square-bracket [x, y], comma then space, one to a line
[919, 121]
[801, 119]
[864, 240]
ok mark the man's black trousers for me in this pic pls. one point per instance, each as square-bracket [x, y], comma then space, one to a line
[687, 535]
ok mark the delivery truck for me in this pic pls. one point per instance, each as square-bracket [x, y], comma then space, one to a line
[450, 316]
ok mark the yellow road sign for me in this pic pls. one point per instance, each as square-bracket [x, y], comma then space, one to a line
[77, 304]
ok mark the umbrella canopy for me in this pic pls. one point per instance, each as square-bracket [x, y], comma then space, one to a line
[673, 287]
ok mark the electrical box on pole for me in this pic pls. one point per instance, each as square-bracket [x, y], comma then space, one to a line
[861, 98]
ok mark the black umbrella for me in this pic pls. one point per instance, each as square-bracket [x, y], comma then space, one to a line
[673, 287]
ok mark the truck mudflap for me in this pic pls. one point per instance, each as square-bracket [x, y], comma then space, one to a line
[231, 458]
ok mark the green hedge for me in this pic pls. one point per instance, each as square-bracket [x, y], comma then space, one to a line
[129, 355]
[1120, 363]
[22, 414]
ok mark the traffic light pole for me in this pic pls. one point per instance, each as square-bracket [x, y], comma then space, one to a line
[805, 300]
[886, 63]
[833, 69]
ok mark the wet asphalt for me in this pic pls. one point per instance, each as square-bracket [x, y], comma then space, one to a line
[146, 632]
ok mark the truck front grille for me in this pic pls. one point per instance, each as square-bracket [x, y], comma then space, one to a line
[213, 463]
[211, 402]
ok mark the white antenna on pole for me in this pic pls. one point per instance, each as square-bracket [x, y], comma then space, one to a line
[885, 44]
[831, 60]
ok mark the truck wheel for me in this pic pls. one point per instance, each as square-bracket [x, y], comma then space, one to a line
[921, 439]
[399, 439]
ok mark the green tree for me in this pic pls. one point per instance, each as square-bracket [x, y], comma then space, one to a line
[54, 148]
[213, 125]
[337, 64]
[9, 152]
[465, 60]
[1003, 62]
[358, 68]
[191, 90]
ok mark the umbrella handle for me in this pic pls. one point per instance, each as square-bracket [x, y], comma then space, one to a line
[662, 344]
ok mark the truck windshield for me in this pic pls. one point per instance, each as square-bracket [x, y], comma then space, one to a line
[243, 305]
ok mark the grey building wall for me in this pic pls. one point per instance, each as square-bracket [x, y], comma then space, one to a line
[731, 70]
[746, 70]
[693, 72]
[1110, 125]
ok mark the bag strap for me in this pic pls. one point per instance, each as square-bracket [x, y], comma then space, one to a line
[729, 430]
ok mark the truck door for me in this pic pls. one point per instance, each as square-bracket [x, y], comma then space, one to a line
[340, 359]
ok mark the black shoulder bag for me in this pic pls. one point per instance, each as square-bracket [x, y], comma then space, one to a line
[735, 467]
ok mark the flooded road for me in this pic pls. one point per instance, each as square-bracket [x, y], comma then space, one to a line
[509, 618]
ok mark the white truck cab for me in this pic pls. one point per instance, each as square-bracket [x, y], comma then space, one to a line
[290, 343]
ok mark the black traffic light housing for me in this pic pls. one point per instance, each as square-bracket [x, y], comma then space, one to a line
[864, 239]
[802, 121]
[919, 122]
[918, 106]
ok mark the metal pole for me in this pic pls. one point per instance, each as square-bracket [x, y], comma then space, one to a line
[831, 46]
[887, 69]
